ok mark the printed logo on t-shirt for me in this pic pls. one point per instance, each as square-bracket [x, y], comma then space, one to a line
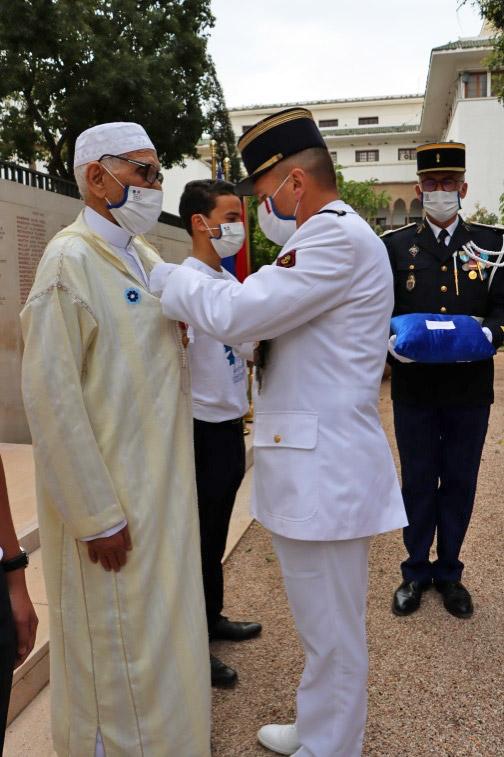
[236, 364]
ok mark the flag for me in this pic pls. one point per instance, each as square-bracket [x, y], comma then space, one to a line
[242, 264]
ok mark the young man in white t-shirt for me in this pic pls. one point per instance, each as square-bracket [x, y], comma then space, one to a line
[211, 213]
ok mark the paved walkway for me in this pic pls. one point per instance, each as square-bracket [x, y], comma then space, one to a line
[436, 683]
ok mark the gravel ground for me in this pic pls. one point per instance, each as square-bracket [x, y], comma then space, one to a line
[436, 683]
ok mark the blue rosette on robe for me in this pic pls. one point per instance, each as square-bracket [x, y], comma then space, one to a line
[435, 338]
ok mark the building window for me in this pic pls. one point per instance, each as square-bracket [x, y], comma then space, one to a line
[334, 155]
[497, 83]
[406, 153]
[475, 84]
[366, 120]
[367, 156]
[245, 128]
[327, 122]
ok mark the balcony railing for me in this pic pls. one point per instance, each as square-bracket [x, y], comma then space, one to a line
[31, 178]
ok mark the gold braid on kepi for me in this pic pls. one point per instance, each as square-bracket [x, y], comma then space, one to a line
[274, 138]
[441, 156]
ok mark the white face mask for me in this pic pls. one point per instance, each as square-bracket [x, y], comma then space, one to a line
[230, 239]
[139, 209]
[441, 206]
[273, 224]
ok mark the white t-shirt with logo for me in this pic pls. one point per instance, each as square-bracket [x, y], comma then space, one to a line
[218, 371]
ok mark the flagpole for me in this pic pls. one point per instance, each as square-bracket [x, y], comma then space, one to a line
[227, 168]
[213, 155]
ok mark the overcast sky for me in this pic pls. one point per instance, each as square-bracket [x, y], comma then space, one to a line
[276, 51]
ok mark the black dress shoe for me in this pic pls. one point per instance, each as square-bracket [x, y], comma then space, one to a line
[232, 630]
[456, 598]
[407, 597]
[222, 675]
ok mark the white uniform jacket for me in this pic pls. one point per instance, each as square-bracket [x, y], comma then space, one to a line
[323, 468]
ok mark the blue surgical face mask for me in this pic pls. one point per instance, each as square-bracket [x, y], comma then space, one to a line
[275, 226]
[227, 239]
[139, 208]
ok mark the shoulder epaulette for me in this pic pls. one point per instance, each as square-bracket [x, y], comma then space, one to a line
[394, 231]
[494, 227]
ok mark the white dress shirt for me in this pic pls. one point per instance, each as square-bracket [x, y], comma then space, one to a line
[436, 230]
[119, 239]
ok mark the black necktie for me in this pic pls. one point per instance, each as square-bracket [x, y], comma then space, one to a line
[442, 236]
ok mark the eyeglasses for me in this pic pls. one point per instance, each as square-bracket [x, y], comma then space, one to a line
[150, 172]
[447, 185]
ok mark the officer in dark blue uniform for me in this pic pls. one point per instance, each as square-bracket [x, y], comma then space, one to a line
[441, 411]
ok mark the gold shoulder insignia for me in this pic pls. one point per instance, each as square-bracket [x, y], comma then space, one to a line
[496, 227]
[393, 231]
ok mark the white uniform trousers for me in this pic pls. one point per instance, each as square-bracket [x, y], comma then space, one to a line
[326, 585]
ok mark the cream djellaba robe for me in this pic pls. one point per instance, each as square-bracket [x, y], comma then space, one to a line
[108, 401]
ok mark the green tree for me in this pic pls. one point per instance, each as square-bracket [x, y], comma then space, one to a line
[66, 65]
[363, 196]
[482, 215]
[493, 11]
[218, 124]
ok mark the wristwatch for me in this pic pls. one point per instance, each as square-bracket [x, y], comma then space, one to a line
[20, 561]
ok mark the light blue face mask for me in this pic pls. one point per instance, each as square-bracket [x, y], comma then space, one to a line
[275, 226]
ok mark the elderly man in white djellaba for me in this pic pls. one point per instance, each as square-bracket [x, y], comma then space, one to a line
[107, 397]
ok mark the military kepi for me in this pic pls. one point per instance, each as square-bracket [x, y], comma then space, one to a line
[274, 138]
[440, 156]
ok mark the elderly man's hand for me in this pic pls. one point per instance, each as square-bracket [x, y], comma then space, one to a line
[159, 276]
[23, 612]
[111, 551]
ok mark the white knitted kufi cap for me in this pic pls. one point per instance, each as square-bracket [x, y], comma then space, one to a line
[113, 139]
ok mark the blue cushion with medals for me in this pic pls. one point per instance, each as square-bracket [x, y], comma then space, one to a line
[436, 338]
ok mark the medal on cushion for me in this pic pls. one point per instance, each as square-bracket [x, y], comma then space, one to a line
[410, 282]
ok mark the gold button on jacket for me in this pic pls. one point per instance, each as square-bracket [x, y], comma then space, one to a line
[444, 288]
[277, 438]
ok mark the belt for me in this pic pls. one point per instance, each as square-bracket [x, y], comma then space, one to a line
[233, 422]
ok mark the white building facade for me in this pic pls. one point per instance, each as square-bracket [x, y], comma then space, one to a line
[375, 138]
[461, 105]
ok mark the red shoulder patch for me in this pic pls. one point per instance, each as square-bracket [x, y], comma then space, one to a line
[288, 260]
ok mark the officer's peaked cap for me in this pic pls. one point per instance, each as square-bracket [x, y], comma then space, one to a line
[274, 138]
[441, 156]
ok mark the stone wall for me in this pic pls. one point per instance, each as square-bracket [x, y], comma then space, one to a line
[29, 217]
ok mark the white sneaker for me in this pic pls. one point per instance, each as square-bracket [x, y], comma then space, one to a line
[282, 739]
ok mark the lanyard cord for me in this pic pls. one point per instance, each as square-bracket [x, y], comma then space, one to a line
[475, 252]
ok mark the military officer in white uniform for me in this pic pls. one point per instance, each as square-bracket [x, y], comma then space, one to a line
[324, 476]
